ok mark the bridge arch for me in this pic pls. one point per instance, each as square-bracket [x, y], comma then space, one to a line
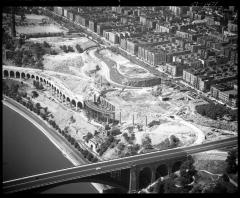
[17, 74]
[79, 105]
[68, 99]
[11, 74]
[107, 181]
[37, 78]
[161, 171]
[145, 176]
[44, 81]
[32, 76]
[73, 102]
[5, 73]
[28, 75]
[23, 75]
[41, 80]
[176, 166]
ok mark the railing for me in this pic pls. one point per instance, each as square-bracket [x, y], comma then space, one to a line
[74, 173]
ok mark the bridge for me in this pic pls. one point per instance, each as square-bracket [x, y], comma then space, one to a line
[58, 89]
[124, 173]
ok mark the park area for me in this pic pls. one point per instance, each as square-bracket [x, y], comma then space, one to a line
[70, 62]
[72, 41]
[34, 24]
[35, 29]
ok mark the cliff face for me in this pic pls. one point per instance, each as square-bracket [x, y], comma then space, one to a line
[143, 82]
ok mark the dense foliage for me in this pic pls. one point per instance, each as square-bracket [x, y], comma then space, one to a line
[215, 111]
[38, 85]
[231, 162]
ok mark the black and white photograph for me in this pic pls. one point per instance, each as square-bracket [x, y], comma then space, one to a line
[122, 99]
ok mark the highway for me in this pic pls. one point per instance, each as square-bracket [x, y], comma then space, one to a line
[60, 140]
[108, 166]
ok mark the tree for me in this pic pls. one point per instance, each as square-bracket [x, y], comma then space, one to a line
[174, 141]
[187, 171]
[97, 68]
[89, 156]
[46, 44]
[72, 141]
[107, 127]
[24, 94]
[76, 145]
[88, 136]
[125, 135]
[94, 159]
[131, 150]
[18, 98]
[147, 142]
[64, 48]
[34, 94]
[38, 106]
[121, 146]
[53, 52]
[72, 119]
[96, 132]
[85, 152]
[231, 162]
[70, 49]
[136, 147]
[79, 49]
[65, 130]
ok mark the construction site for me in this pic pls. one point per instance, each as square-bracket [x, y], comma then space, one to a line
[139, 100]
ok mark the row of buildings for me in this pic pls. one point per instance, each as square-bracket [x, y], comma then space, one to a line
[226, 92]
[188, 42]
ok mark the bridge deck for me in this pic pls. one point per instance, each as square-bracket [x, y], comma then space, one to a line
[69, 174]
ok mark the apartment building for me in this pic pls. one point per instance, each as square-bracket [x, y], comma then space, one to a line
[175, 69]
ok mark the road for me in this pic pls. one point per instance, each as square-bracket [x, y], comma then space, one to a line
[108, 166]
[54, 135]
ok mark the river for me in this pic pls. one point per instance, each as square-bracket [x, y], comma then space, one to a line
[26, 151]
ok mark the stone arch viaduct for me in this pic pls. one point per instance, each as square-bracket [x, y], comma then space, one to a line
[59, 90]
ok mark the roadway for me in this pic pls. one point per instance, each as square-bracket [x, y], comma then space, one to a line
[111, 165]
[60, 140]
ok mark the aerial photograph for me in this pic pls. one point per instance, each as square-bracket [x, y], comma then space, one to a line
[120, 99]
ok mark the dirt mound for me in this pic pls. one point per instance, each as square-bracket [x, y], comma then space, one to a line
[143, 82]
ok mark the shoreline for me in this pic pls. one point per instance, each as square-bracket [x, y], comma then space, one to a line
[98, 187]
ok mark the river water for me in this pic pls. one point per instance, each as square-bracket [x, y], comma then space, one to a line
[27, 151]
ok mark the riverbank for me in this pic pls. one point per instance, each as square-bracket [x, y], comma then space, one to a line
[64, 151]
